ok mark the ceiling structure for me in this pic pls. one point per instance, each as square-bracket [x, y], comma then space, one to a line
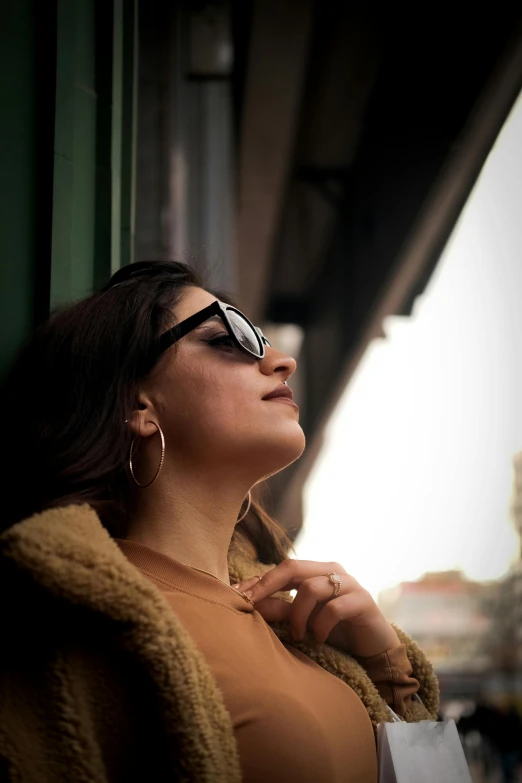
[361, 135]
[321, 168]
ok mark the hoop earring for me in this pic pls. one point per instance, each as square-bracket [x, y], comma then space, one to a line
[247, 508]
[131, 467]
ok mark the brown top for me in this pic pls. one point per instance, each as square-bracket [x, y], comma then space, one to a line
[292, 720]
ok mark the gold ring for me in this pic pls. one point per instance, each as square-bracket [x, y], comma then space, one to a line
[335, 579]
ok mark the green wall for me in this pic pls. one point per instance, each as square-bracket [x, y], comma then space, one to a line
[74, 153]
[94, 149]
[67, 152]
[17, 176]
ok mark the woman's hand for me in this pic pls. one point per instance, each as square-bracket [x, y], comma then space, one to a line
[352, 621]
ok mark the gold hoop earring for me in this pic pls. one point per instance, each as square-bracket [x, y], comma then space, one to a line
[247, 508]
[131, 467]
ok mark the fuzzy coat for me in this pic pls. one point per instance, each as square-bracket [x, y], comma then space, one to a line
[100, 682]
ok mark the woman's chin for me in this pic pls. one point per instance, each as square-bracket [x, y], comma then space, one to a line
[275, 454]
[258, 454]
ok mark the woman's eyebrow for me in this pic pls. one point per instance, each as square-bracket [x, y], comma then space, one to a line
[212, 321]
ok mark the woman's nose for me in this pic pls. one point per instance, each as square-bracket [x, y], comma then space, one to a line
[277, 363]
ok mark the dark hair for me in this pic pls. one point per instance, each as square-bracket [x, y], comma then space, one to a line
[70, 391]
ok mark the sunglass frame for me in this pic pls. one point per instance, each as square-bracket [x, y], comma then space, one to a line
[220, 309]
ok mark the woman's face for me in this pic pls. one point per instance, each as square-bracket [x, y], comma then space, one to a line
[208, 399]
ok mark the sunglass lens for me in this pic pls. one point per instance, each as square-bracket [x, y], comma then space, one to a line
[245, 334]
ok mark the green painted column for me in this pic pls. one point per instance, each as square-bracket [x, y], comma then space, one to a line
[17, 176]
[128, 131]
[74, 153]
[93, 202]
[67, 154]
[116, 134]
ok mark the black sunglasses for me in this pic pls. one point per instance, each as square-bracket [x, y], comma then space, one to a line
[244, 334]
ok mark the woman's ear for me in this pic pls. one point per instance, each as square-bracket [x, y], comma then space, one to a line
[143, 419]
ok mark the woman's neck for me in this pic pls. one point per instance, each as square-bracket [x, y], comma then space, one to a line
[188, 521]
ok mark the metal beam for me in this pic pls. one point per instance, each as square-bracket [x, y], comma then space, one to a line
[423, 246]
[275, 78]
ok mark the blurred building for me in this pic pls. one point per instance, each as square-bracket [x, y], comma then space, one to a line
[445, 614]
[470, 631]
[516, 501]
[311, 157]
[516, 571]
[504, 606]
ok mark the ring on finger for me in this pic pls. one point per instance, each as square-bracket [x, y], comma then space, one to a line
[335, 579]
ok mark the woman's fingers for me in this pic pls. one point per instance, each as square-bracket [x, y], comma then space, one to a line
[351, 621]
[312, 595]
[247, 584]
[315, 607]
[344, 608]
[314, 590]
[289, 575]
[274, 610]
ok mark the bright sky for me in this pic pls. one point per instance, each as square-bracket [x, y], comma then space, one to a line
[415, 474]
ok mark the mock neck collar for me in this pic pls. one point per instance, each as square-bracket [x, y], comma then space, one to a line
[172, 575]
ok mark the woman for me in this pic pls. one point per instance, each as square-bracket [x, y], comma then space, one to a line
[137, 643]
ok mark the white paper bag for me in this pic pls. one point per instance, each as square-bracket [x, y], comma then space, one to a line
[424, 752]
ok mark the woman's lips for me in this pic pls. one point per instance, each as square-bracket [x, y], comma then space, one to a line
[285, 400]
[281, 393]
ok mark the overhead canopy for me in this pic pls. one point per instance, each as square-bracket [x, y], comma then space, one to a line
[319, 171]
[361, 136]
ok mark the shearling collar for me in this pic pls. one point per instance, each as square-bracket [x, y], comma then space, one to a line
[67, 554]
[70, 555]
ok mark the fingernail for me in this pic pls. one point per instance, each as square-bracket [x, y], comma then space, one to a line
[249, 593]
[235, 586]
